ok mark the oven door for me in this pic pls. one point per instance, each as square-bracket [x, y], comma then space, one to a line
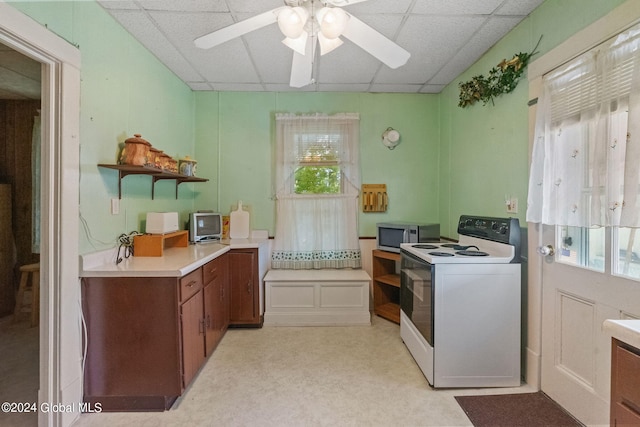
[417, 293]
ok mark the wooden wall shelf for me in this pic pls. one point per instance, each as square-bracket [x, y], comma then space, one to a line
[155, 173]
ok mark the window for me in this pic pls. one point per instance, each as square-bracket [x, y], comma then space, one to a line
[317, 189]
[585, 171]
[318, 170]
[582, 247]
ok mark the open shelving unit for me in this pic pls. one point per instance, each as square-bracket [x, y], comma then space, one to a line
[386, 285]
[155, 173]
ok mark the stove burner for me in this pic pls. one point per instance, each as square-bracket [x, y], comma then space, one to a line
[472, 253]
[436, 253]
[458, 247]
[425, 246]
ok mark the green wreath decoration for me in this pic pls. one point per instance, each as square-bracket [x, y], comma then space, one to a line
[502, 78]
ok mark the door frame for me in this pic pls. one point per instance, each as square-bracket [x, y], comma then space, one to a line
[60, 351]
[620, 18]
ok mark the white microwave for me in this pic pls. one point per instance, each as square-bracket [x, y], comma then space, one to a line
[392, 234]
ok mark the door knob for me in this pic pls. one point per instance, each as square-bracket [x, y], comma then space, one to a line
[547, 250]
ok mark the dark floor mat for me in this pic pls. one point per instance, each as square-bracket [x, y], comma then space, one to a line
[515, 410]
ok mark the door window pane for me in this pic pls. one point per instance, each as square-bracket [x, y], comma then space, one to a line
[627, 259]
[582, 247]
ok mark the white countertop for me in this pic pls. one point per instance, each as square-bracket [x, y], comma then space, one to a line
[176, 262]
[627, 331]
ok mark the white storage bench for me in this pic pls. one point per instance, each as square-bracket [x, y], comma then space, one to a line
[317, 298]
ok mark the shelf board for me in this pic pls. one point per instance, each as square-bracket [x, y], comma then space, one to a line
[155, 173]
[389, 311]
[386, 255]
[389, 279]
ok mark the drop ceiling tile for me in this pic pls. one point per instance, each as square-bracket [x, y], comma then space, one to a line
[456, 7]
[347, 64]
[212, 64]
[339, 87]
[228, 62]
[254, 6]
[430, 49]
[200, 86]
[379, 6]
[395, 88]
[270, 56]
[237, 87]
[484, 39]
[519, 7]
[118, 4]
[286, 88]
[185, 6]
[148, 34]
[387, 25]
[432, 88]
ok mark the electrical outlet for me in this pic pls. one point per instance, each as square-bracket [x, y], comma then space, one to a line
[115, 206]
[512, 205]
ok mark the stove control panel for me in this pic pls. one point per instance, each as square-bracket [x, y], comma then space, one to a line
[503, 230]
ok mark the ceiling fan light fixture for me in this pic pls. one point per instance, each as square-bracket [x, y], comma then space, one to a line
[327, 44]
[332, 21]
[298, 44]
[291, 21]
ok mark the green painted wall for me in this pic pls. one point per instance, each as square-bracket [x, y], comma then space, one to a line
[236, 144]
[451, 160]
[124, 90]
[484, 149]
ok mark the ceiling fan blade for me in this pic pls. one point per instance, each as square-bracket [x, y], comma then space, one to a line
[238, 29]
[302, 66]
[375, 43]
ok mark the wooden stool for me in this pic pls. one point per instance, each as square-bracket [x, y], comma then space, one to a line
[34, 270]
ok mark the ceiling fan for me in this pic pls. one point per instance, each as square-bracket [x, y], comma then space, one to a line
[303, 22]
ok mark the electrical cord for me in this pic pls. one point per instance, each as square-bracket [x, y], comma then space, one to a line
[125, 245]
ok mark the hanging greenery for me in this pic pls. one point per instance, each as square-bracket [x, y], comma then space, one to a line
[502, 78]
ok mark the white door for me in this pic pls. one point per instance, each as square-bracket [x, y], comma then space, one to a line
[579, 292]
[592, 276]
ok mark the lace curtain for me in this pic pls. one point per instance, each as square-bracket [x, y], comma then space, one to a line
[317, 230]
[585, 168]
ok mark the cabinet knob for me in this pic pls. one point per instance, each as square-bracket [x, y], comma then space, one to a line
[248, 287]
[191, 284]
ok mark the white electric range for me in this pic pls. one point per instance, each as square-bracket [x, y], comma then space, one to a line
[460, 305]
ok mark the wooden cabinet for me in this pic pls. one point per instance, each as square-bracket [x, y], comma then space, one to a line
[192, 325]
[386, 285]
[216, 301]
[625, 384]
[244, 288]
[134, 348]
[147, 337]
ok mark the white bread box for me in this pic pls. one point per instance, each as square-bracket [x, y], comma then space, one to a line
[162, 222]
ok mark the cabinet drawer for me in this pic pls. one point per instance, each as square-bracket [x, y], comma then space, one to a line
[190, 284]
[628, 377]
[211, 270]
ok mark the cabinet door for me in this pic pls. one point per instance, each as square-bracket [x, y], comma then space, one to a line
[244, 304]
[193, 354]
[211, 297]
[222, 314]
